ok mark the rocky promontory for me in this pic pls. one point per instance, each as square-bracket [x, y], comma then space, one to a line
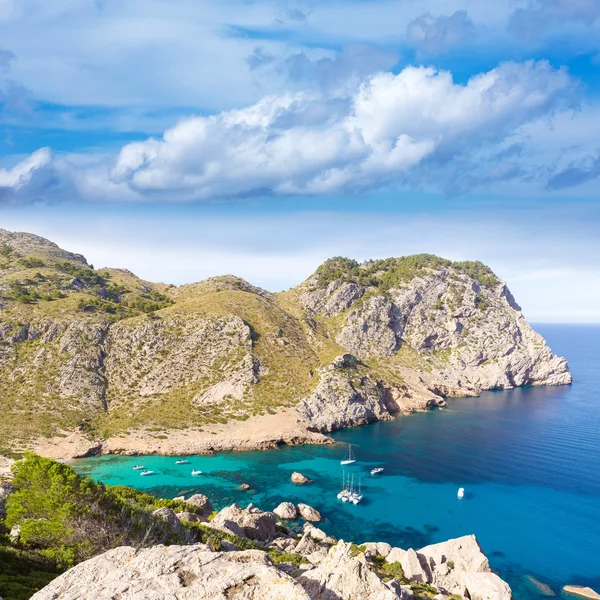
[100, 361]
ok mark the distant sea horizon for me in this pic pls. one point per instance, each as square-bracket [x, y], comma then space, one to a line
[528, 458]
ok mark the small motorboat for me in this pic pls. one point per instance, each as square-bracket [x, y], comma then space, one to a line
[461, 492]
[139, 468]
[181, 462]
[376, 470]
[147, 473]
[196, 472]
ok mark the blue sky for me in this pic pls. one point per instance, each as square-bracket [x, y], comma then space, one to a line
[184, 139]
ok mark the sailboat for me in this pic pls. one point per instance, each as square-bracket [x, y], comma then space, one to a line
[343, 490]
[357, 496]
[349, 459]
[348, 492]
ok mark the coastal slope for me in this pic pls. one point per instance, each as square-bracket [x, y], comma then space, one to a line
[100, 360]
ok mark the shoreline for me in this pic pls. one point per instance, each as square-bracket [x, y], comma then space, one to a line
[265, 432]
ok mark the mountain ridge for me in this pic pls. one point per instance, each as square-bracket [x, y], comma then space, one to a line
[112, 357]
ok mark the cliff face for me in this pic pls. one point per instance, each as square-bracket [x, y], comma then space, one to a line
[108, 353]
[458, 325]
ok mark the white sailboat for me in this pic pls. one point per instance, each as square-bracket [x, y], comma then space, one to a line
[349, 492]
[343, 490]
[350, 458]
[357, 496]
[376, 470]
[461, 492]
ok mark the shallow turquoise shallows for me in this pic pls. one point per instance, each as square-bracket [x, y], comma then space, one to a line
[529, 461]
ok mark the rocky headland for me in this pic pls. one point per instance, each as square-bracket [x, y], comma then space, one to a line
[281, 565]
[100, 361]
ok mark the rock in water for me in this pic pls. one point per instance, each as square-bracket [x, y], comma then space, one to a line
[169, 572]
[309, 513]
[299, 479]
[584, 592]
[286, 510]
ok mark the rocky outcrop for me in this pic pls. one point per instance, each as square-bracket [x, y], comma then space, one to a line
[286, 510]
[201, 501]
[314, 567]
[346, 397]
[309, 513]
[582, 592]
[456, 322]
[299, 479]
[345, 577]
[182, 572]
[253, 523]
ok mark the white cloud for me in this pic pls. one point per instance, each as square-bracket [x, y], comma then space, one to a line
[390, 126]
[22, 173]
[434, 35]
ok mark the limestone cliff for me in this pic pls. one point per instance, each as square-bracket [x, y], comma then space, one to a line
[109, 355]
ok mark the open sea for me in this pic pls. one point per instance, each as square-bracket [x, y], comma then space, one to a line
[529, 460]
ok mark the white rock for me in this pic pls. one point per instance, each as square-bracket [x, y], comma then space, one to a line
[309, 513]
[395, 555]
[464, 552]
[256, 526]
[485, 586]
[286, 510]
[415, 567]
[174, 573]
[340, 576]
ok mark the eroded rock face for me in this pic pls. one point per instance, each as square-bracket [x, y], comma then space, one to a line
[341, 576]
[345, 397]
[466, 336]
[174, 572]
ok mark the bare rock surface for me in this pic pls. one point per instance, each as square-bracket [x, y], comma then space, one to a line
[174, 573]
[582, 591]
[309, 513]
[255, 525]
[299, 479]
[201, 501]
[286, 510]
[341, 576]
[345, 397]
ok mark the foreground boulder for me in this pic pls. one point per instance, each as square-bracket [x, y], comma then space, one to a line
[253, 523]
[460, 567]
[308, 513]
[201, 501]
[342, 576]
[286, 510]
[174, 572]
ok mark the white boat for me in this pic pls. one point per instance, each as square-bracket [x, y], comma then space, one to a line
[181, 462]
[195, 472]
[356, 497]
[376, 470]
[147, 473]
[350, 458]
[139, 468]
[461, 492]
[343, 491]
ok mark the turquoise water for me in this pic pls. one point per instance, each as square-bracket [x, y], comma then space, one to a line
[529, 460]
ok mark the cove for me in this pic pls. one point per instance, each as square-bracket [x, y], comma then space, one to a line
[529, 460]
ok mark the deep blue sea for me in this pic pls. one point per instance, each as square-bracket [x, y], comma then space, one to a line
[529, 460]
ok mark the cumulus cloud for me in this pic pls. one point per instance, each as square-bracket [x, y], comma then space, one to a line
[404, 128]
[576, 173]
[542, 15]
[435, 35]
[28, 178]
